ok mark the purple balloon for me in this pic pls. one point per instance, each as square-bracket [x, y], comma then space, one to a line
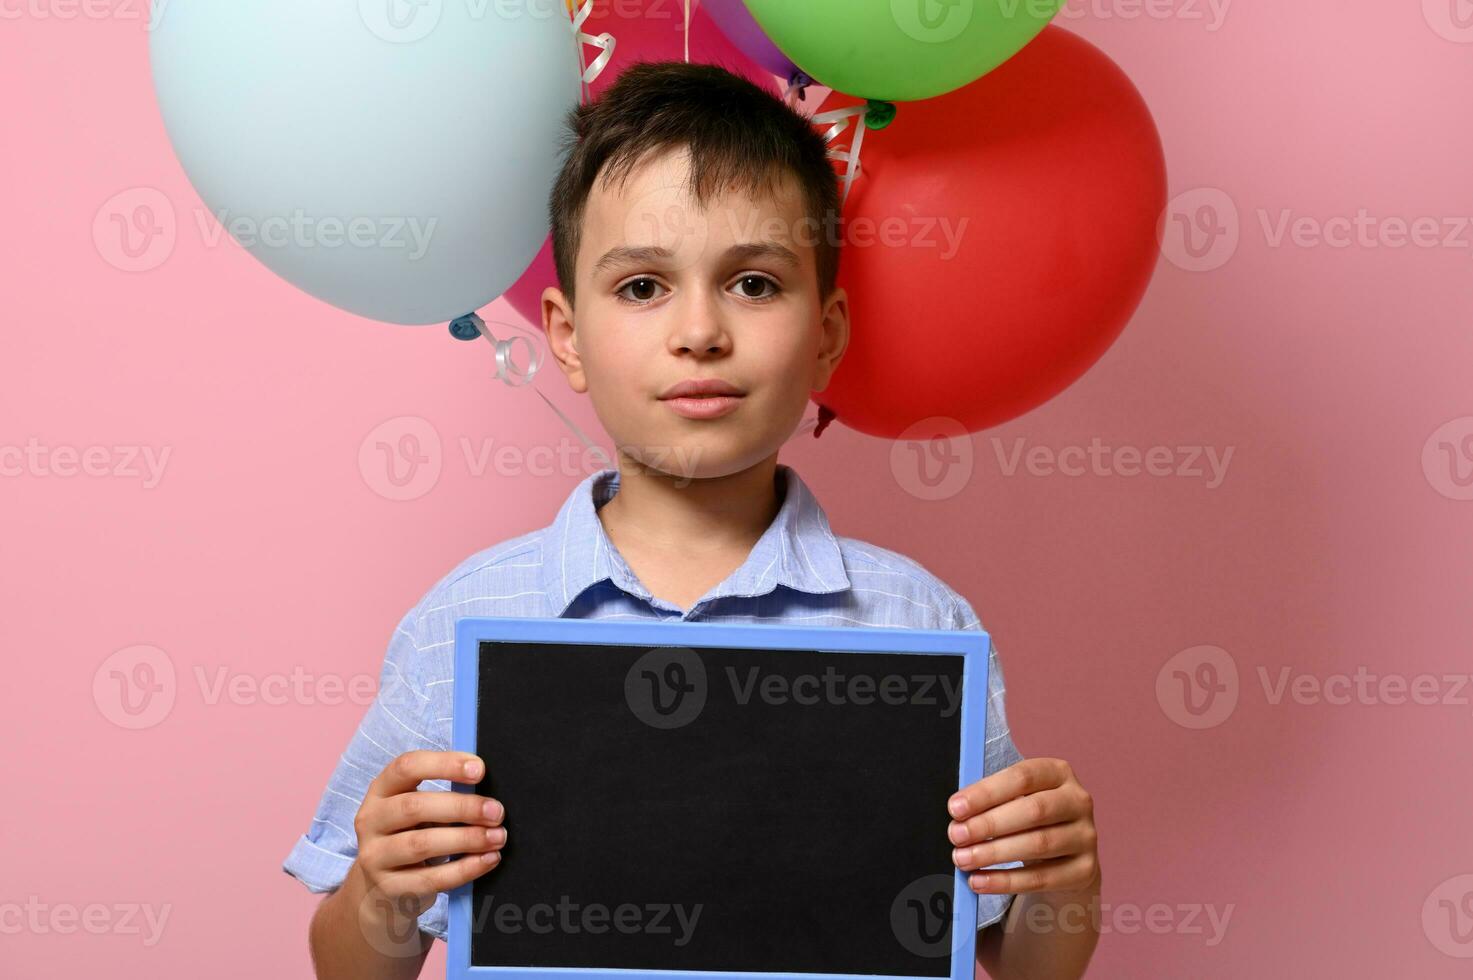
[742, 30]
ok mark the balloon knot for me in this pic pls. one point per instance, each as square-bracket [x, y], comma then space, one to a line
[825, 416]
[879, 114]
[464, 327]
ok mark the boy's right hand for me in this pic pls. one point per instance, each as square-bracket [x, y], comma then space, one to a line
[399, 828]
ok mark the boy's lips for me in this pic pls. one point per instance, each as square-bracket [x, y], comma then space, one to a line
[708, 407]
[702, 398]
[702, 388]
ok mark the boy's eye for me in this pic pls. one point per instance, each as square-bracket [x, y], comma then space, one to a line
[756, 282]
[641, 285]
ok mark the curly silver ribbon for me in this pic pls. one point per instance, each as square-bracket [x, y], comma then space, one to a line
[605, 41]
[839, 120]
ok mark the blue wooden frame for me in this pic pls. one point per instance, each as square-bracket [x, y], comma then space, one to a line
[972, 645]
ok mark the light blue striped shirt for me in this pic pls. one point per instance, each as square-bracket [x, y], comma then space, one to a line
[798, 572]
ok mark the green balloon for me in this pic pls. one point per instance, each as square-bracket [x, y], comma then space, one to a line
[900, 50]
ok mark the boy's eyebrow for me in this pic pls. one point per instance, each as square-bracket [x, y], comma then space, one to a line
[650, 253]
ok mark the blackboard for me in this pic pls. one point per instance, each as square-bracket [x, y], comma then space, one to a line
[722, 799]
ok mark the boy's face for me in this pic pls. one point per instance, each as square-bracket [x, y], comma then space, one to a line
[668, 291]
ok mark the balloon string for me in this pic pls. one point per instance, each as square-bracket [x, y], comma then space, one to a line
[604, 41]
[687, 31]
[507, 372]
[596, 450]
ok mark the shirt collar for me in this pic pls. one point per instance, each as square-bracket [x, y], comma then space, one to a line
[798, 549]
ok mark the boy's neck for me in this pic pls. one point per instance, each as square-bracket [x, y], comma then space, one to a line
[656, 512]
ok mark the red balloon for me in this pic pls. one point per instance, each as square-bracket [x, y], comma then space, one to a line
[1049, 174]
[657, 34]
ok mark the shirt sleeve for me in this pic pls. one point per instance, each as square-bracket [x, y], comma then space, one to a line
[999, 752]
[397, 721]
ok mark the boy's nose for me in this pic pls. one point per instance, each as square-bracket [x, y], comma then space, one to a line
[700, 328]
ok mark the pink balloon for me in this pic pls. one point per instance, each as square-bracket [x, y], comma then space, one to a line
[525, 295]
[655, 36]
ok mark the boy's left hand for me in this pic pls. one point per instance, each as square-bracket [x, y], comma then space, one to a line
[1036, 812]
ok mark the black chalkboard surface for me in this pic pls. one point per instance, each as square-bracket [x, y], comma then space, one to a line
[734, 808]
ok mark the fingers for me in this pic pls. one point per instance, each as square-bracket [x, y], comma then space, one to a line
[445, 877]
[412, 768]
[414, 847]
[1019, 779]
[1064, 874]
[1035, 810]
[409, 810]
[1060, 840]
[419, 886]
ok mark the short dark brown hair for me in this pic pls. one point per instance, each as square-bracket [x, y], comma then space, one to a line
[736, 133]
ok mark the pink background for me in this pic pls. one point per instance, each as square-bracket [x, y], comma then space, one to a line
[1333, 835]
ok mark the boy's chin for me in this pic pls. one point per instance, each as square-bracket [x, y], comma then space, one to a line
[703, 459]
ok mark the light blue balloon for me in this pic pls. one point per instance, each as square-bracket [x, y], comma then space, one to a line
[391, 158]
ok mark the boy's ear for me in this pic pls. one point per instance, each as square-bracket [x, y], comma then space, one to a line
[833, 339]
[562, 338]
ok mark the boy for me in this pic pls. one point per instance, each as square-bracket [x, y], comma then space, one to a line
[691, 227]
